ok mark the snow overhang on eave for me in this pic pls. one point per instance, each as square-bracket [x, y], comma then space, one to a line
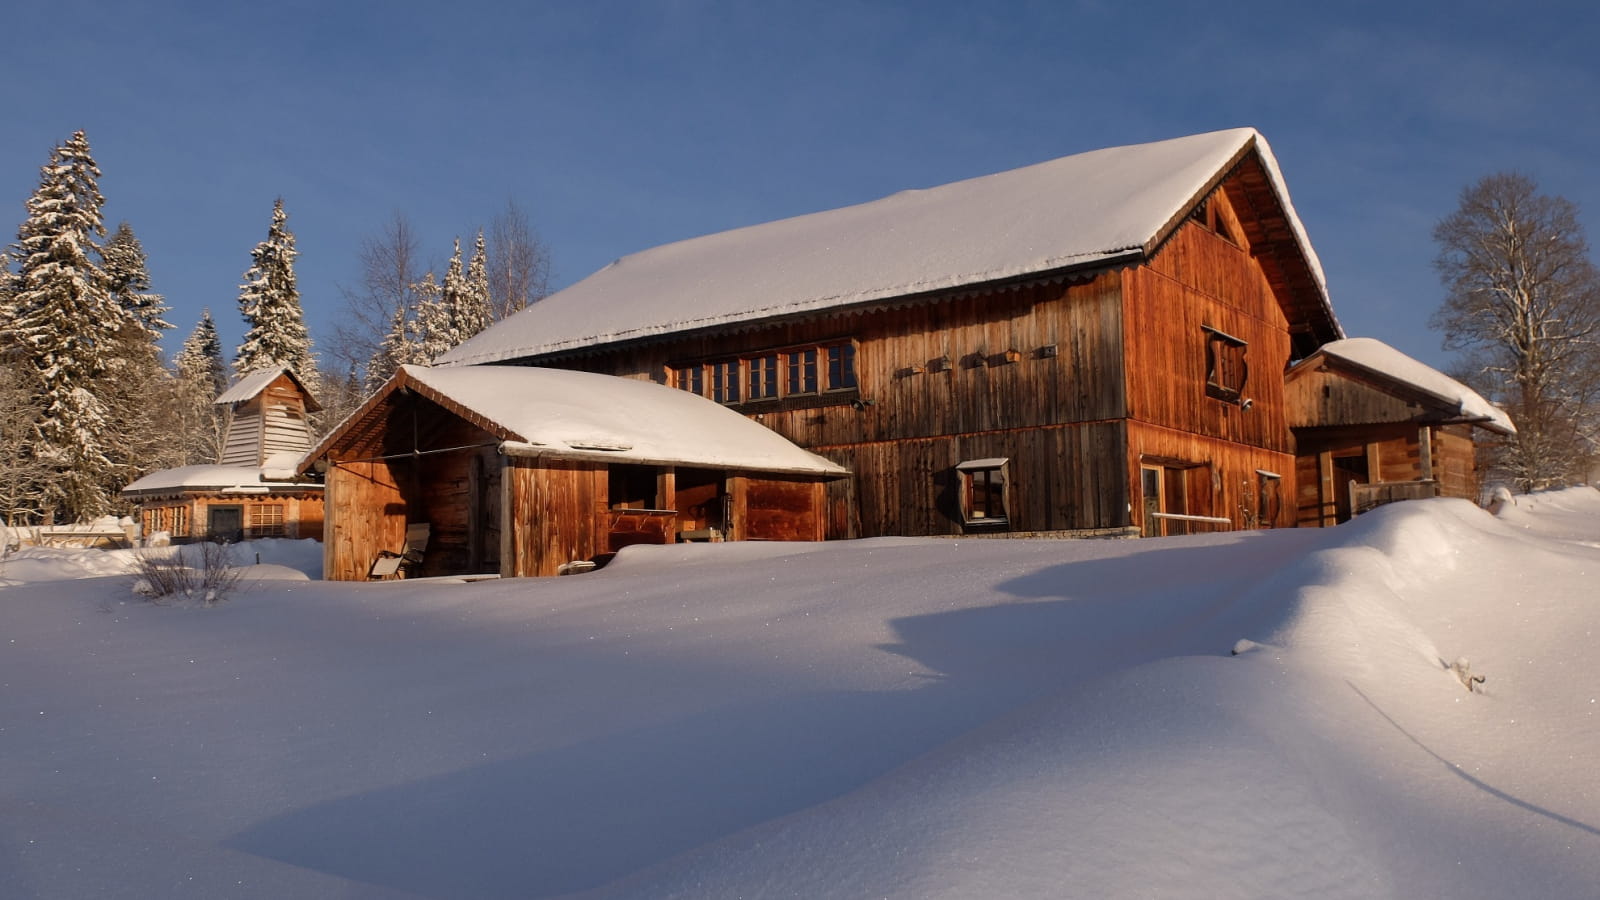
[1075, 273]
[521, 450]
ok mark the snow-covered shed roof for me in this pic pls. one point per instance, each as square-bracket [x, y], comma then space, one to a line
[276, 475]
[1379, 361]
[580, 415]
[252, 384]
[1069, 213]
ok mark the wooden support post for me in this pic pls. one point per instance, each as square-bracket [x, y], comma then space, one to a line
[1425, 452]
[1327, 507]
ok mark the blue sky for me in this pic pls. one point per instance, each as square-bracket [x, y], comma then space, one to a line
[618, 126]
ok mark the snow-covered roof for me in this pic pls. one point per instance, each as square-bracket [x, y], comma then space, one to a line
[1382, 360]
[1076, 211]
[581, 415]
[252, 383]
[222, 479]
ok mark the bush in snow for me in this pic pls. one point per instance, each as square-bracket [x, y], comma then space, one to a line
[176, 577]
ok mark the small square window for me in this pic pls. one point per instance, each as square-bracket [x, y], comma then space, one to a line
[1226, 369]
[983, 484]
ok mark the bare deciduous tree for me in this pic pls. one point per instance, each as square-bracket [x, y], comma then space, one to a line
[519, 263]
[23, 477]
[391, 263]
[1522, 297]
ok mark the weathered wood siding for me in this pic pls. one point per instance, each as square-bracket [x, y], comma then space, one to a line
[554, 509]
[782, 509]
[1222, 478]
[1067, 477]
[288, 515]
[1196, 281]
[946, 380]
[272, 421]
[1323, 398]
[368, 515]
[1391, 453]
[1455, 462]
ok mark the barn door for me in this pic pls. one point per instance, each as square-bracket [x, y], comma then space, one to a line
[1165, 494]
[225, 524]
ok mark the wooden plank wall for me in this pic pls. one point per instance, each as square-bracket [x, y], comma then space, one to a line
[368, 515]
[1199, 280]
[779, 509]
[242, 445]
[1063, 478]
[1223, 481]
[913, 427]
[554, 508]
[1455, 462]
[1322, 398]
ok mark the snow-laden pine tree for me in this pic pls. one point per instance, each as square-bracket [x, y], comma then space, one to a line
[202, 376]
[128, 279]
[63, 322]
[270, 303]
[476, 310]
[400, 345]
[139, 391]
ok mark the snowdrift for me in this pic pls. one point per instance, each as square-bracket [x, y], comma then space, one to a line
[1246, 715]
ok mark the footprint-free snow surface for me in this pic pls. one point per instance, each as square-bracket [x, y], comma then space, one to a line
[1263, 714]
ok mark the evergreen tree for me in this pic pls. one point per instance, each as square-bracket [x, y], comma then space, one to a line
[400, 347]
[139, 393]
[270, 302]
[128, 279]
[63, 321]
[477, 309]
[202, 376]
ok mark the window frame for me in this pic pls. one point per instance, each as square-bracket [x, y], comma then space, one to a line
[1227, 365]
[824, 371]
[992, 477]
[267, 520]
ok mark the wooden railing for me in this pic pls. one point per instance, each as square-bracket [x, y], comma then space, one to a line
[1370, 496]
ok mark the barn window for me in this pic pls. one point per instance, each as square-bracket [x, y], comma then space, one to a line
[690, 378]
[266, 520]
[763, 376]
[1226, 369]
[841, 367]
[725, 381]
[786, 372]
[802, 371]
[983, 491]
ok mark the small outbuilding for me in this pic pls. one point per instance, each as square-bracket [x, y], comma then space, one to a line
[515, 471]
[1372, 426]
[252, 491]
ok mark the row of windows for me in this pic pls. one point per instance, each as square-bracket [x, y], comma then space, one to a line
[795, 372]
[174, 520]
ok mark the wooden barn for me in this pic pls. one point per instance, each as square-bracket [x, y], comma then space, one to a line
[1373, 425]
[1092, 345]
[524, 471]
[253, 490]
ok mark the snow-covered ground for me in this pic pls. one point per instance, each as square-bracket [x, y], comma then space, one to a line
[893, 717]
